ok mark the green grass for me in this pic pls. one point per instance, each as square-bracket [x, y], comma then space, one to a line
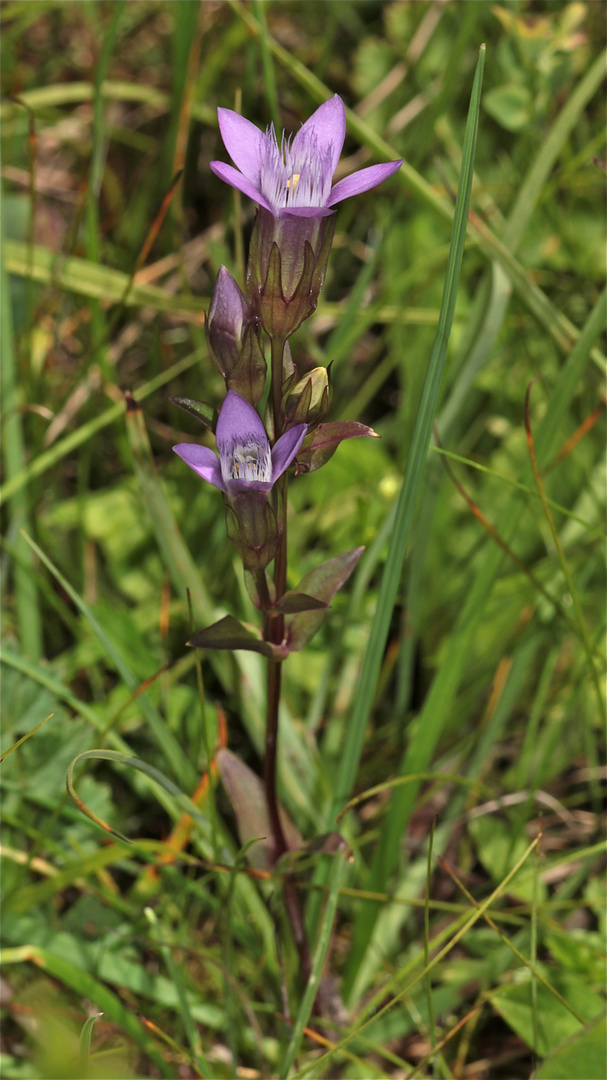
[454, 694]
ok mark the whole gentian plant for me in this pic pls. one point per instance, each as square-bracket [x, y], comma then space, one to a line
[291, 182]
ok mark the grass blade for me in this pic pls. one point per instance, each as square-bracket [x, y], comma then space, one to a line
[29, 622]
[320, 954]
[414, 472]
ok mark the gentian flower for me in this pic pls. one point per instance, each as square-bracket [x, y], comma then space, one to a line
[245, 462]
[291, 183]
[296, 176]
[245, 471]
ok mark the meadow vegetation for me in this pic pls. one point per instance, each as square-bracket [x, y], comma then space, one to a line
[451, 709]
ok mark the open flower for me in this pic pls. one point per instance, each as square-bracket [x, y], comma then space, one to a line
[245, 462]
[291, 183]
[245, 471]
[294, 176]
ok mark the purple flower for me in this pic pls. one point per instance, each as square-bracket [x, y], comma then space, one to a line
[295, 176]
[245, 463]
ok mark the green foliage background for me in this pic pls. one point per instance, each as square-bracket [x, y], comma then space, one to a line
[486, 717]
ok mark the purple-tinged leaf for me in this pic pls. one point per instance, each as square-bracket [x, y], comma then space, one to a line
[246, 793]
[203, 412]
[229, 633]
[294, 602]
[324, 441]
[323, 582]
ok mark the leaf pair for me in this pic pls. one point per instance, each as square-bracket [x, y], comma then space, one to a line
[306, 609]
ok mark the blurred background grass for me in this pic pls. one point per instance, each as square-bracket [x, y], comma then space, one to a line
[488, 703]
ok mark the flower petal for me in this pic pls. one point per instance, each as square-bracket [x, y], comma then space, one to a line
[243, 141]
[362, 180]
[286, 448]
[329, 126]
[203, 461]
[237, 419]
[237, 180]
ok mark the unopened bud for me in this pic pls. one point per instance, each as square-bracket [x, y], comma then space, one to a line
[234, 339]
[309, 400]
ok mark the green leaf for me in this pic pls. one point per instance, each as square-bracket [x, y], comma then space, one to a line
[509, 105]
[582, 1057]
[555, 1022]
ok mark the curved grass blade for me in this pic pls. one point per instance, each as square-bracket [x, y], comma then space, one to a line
[84, 1043]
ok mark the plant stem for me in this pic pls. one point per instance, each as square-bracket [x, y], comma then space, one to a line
[277, 352]
[274, 629]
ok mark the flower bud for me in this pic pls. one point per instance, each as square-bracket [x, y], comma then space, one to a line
[287, 265]
[234, 339]
[309, 400]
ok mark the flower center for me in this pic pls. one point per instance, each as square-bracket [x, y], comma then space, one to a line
[246, 458]
[296, 173]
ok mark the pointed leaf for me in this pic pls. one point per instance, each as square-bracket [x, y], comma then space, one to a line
[291, 603]
[229, 633]
[203, 412]
[324, 441]
[246, 793]
[323, 583]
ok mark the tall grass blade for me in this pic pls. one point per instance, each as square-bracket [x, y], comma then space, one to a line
[414, 471]
[438, 703]
[29, 622]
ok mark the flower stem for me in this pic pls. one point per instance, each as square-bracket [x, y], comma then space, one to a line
[274, 629]
[278, 349]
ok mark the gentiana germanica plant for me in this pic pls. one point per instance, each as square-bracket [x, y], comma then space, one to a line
[291, 182]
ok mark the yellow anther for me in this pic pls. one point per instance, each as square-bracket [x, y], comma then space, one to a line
[294, 179]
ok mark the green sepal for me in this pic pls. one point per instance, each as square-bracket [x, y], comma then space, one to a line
[203, 412]
[251, 526]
